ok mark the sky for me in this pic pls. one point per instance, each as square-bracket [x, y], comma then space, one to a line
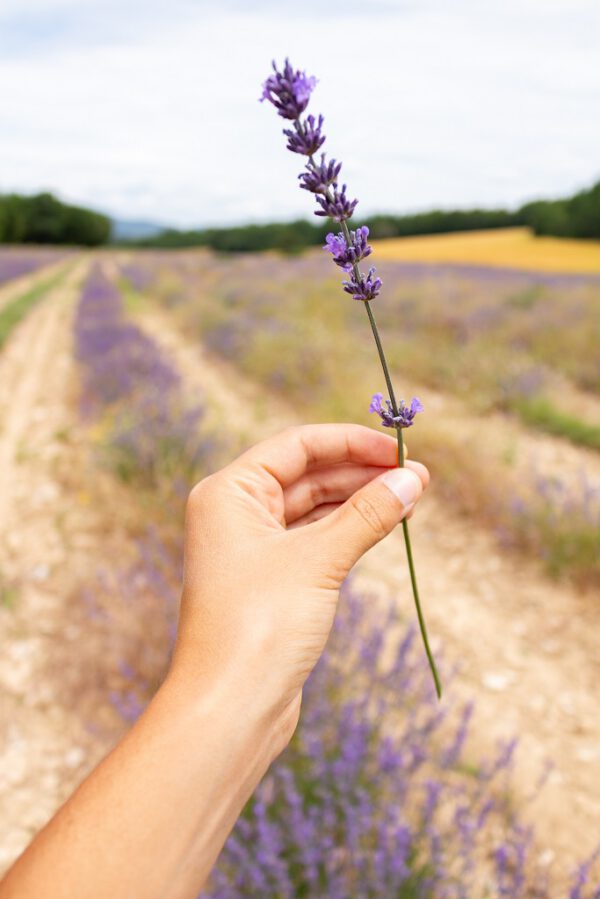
[148, 110]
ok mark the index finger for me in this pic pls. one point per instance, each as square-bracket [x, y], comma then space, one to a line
[288, 455]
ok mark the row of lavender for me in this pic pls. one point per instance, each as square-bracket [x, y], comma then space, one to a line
[372, 798]
[146, 432]
[17, 262]
[151, 432]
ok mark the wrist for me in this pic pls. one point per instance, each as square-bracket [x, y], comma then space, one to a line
[248, 711]
[212, 750]
[244, 672]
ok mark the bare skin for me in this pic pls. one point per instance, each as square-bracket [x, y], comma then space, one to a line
[269, 541]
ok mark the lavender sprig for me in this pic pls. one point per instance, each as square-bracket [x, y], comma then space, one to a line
[289, 91]
[348, 254]
[403, 418]
[365, 287]
[317, 178]
[306, 138]
[335, 204]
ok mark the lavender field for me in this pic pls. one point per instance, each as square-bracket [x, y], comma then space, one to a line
[508, 355]
[158, 368]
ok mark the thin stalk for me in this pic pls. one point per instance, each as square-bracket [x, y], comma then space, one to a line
[407, 543]
[415, 589]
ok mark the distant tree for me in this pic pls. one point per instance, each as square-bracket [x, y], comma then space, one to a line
[13, 218]
[577, 216]
[548, 217]
[44, 219]
[584, 211]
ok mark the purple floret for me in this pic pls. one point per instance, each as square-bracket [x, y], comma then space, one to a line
[346, 255]
[305, 137]
[338, 206]
[405, 416]
[317, 178]
[366, 287]
[289, 91]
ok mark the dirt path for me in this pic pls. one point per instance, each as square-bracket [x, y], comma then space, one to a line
[53, 521]
[525, 648]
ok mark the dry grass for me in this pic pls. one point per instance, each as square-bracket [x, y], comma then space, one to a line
[516, 248]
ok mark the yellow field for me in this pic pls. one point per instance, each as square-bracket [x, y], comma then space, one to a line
[506, 248]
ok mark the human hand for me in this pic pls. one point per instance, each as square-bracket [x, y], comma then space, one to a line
[269, 541]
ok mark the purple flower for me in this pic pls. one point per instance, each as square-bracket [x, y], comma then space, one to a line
[306, 137]
[289, 91]
[405, 416]
[338, 206]
[366, 287]
[321, 180]
[346, 255]
[317, 178]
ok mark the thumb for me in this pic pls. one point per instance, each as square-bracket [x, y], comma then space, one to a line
[369, 515]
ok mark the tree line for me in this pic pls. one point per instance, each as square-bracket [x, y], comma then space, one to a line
[577, 216]
[42, 219]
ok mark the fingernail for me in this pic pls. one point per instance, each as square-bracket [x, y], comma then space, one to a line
[404, 484]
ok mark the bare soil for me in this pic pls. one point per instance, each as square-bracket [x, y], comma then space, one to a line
[57, 523]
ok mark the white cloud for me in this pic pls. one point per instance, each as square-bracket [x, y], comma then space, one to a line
[153, 114]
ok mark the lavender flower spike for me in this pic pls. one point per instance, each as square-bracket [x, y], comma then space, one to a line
[289, 91]
[306, 138]
[317, 178]
[365, 288]
[405, 416]
[348, 254]
[336, 205]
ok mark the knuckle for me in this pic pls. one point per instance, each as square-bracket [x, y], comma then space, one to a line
[318, 494]
[200, 494]
[371, 515]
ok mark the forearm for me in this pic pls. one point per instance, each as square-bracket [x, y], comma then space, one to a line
[269, 541]
[150, 821]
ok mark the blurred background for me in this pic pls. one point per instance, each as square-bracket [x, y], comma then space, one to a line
[165, 302]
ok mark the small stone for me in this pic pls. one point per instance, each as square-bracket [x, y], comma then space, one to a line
[40, 572]
[588, 753]
[496, 681]
[74, 757]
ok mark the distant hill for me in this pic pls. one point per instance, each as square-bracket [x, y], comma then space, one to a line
[134, 229]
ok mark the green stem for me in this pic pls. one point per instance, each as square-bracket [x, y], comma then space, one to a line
[415, 589]
[407, 543]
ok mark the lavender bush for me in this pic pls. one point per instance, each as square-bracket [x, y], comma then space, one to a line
[289, 91]
[17, 262]
[375, 796]
[378, 794]
[153, 432]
